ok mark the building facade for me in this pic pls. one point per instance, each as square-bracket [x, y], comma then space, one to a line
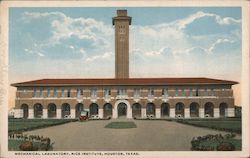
[123, 96]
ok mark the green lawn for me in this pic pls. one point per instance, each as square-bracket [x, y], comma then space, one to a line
[30, 124]
[121, 125]
[225, 124]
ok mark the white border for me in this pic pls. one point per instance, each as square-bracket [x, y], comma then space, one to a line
[4, 5]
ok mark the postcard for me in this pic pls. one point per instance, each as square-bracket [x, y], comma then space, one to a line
[124, 79]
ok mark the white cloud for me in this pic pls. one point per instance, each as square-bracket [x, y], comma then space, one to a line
[71, 47]
[218, 42]
[158, 52]
[104, 56]
[149, 45]
[34, 52]
[64, 28]
[82, 28]
[182, 24]
[82, 51]
[29, 16]
[40, 54]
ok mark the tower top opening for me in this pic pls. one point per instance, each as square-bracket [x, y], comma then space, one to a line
[121, 12]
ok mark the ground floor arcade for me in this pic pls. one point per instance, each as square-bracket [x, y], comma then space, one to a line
[122, 108]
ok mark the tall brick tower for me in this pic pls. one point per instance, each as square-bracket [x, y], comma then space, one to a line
[122, 22]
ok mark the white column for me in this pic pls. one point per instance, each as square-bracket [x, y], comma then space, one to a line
[216, 112]
[45, 113]
[172, 112]
[230, 112]
[100, 113]
[226, 112]
[158, 113]
[114, 113]
[58, 113]
[201, 113]
[129, 113]
[18, 113]
[187, 113]
[143, 112]
[31, 113]
[72, 113]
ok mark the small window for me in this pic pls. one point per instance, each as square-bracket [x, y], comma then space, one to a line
[165, 91]
[136, 92]
[62, 92]
[55, 92]
[196, 92]
[151, 91]
[107, 92]
[176, 92]
[191, 92]
[35, 92]
[68, 93]
[212, 92]
[48, 92]
[206, 92]
[41, 92]
[122, 91]
[93, 92]
[183, 92]
[79, 92]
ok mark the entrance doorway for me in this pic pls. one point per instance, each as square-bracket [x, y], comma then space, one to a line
[122, 110]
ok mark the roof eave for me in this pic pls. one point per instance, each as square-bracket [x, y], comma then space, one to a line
[152, 84]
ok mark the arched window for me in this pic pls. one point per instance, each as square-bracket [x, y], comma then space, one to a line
[51, 110]
[38, 110]
[107, 110]
[150, 109]
[93, 109]
[209, 109]
[25, 109]
[165, 110]
[65, 110]
[136, 110]
[194, 110]
[223, 109]
[179, 109]
[79, 109]
[122, 109]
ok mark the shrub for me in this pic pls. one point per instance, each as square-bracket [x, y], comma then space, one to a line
[27, 146]
[213, 142]
[225, 146]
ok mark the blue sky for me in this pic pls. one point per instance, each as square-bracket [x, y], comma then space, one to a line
[164, 42]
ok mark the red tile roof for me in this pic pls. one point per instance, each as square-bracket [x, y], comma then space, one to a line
[130, 81]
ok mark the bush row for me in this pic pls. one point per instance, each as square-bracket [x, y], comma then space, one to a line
[22, 129]
[44, 143]
[223, 145]
[212, 127]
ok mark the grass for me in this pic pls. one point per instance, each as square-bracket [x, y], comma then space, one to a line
[121, 125]
[214, 143]
[20, 125]
[13, 145]
[225, 124]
